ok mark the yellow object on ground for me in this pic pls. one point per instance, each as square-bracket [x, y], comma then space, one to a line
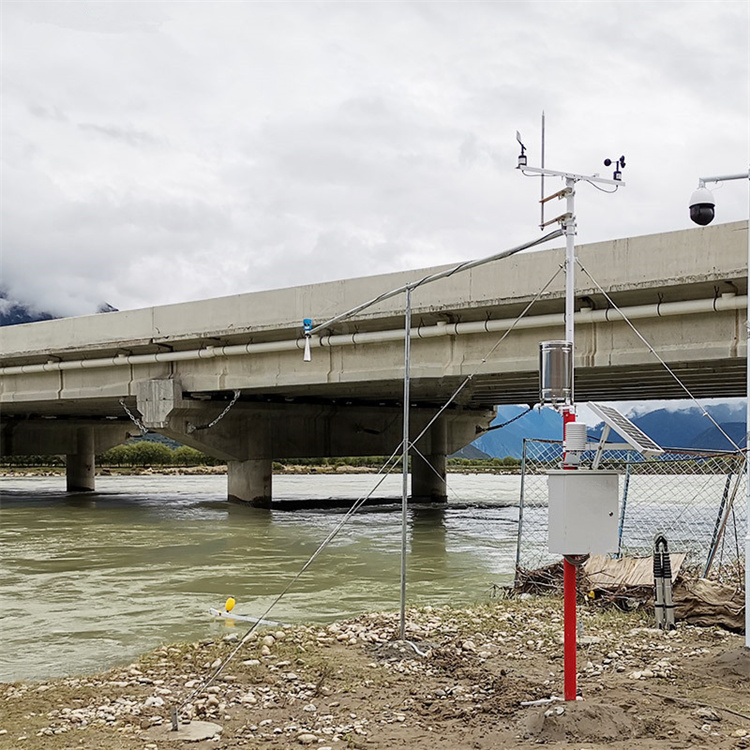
[229, 606]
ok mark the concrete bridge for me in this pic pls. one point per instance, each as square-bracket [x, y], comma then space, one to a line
[65, 384]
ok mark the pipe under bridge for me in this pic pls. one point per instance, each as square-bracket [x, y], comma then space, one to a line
[66, 385]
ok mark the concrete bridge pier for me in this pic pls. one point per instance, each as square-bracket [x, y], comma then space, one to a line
[250, 435]
[250, 482]
[428, 482]
[78, 440]
[80, 466]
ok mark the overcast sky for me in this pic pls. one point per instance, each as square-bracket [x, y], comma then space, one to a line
[161, 152]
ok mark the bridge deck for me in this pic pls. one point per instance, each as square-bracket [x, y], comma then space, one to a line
[361, 360]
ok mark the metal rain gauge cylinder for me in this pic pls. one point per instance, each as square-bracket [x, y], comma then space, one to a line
[556, 373]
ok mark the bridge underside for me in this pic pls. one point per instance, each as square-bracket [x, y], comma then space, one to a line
[721, 378]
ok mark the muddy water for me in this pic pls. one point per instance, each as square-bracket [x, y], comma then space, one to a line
[90, 581]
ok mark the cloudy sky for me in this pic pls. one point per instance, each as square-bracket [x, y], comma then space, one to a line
[161, 152]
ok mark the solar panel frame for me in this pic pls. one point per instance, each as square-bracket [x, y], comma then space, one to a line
[626, 429]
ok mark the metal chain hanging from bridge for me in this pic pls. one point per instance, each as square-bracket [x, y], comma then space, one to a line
[221, 416]
[137, 422]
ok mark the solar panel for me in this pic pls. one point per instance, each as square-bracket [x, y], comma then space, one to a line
[626, 429]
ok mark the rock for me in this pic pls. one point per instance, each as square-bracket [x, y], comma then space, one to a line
[708, 714]
[153, 701]
[589, 640]
[195, 731]
[469, 646]
[306, 738]
[268, 641]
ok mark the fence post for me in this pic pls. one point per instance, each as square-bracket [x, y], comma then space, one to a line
[520, 511]
[625, 485]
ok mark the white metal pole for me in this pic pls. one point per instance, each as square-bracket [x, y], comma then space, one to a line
[747, 432]
[702, 184]
[569, 226]
[405, 460]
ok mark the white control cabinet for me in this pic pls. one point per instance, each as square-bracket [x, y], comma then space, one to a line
[583, 511]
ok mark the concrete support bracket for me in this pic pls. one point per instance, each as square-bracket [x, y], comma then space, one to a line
[156, 400]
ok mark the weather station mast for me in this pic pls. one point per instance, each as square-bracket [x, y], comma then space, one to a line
[583, 503]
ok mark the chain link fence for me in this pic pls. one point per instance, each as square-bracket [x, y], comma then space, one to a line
[696, 499]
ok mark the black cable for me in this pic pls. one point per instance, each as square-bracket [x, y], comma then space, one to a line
[482, 430]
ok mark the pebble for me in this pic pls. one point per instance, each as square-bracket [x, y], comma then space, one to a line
[706, 713]
[306, 738]
[589, 640]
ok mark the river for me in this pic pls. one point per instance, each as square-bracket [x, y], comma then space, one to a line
[88, 581]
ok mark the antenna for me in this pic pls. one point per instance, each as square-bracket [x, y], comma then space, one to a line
[541, 197]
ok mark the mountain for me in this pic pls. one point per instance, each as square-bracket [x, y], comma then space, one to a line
[543, 424]
[712, 438]
[670, 428]
[470, 451]
[690, 428]
[13, 312]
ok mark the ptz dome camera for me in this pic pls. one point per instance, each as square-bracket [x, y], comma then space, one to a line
[702, 206]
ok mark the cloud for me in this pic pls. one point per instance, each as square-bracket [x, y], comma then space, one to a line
[158, 152]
